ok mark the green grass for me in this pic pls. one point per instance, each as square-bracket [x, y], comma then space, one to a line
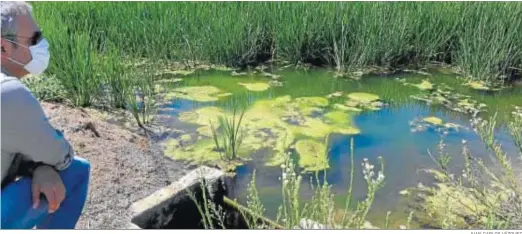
[481, 38]
[229, 139]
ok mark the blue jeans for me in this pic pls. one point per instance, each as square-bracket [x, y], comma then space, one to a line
[17, 204]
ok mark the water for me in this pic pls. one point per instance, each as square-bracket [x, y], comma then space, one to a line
[384, 133]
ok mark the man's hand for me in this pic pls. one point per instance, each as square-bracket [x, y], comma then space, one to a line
[47, 181]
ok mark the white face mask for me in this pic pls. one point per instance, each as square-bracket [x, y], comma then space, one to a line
[40, 57]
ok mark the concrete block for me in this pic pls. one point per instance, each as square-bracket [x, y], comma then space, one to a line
[171, 206]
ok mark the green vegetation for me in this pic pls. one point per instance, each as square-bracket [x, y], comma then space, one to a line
[136, 55]
[106, 44]
[231, 137]
[481, 196]
[294, 212]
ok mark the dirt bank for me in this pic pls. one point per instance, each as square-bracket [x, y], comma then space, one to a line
[125, 166]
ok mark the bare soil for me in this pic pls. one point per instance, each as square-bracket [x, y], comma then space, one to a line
[125, 165]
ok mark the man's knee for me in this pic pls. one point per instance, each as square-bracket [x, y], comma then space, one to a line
[81, 166]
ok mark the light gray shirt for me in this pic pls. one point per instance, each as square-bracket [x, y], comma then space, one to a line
[27, 134]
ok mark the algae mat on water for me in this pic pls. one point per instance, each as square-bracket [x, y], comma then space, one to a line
[359, 100]
[313, 155]
[256, 87]
[196, 93]
[273, 124]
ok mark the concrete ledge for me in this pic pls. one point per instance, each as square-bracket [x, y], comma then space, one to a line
[171, 206]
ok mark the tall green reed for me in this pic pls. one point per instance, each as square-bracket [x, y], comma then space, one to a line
[482, 38]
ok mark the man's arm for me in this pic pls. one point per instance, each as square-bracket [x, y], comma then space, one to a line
[26, 129]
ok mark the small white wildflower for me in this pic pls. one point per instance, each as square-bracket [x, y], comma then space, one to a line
[283, 166]
[380, 177]
[464, 141]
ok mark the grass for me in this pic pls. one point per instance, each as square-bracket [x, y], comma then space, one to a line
[482, 38]
[229, 139]
[90, 40]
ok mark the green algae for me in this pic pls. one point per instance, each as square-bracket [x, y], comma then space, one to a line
[256, 87]
[477, 85]
[335, 94]
[186, 137]
[312, 101]
[169, 81]
[455, 203]
[312, 127]
[224, 95]
[203, 151]
[272, 124]
[433, 120]
[195, 93]
[338, 117]
[425, 84]
[175, 72]
[346, 108]
[366, 101]
[200, 152]
[313, 155]
[235, 73]
[205, 131]
[363, 97]
[203, 115]
[452, 101]
[420, 125]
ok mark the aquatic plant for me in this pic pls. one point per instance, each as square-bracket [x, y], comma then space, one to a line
[245, 34]
[317, 213]
[312, 155]
[195, 93]
[367, 101]
[484, 195]
[452, 100]
[229, 140]
[255, 87]
[423, 85]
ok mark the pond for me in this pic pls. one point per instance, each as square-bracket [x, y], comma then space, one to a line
[306, 106]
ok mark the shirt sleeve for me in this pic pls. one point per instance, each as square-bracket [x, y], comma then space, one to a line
[27, 131]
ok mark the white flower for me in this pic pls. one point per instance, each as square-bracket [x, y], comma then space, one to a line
[380, 177]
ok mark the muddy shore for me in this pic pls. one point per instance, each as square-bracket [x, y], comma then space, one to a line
[125, 165]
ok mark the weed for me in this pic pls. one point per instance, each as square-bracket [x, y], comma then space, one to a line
[230, 139]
